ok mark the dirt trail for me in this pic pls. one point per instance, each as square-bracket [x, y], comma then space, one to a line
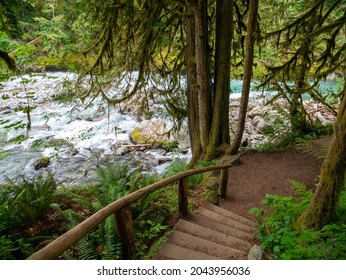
[268, 173]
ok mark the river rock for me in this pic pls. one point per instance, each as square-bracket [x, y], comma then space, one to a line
[256, 111]
[151, 132]
[162, 160]
[259, 123]
[41, 162]
[321, 118]
[144, 161]
[234, 103]
[121, 151]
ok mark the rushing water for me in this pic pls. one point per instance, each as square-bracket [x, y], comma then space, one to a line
[75, 136]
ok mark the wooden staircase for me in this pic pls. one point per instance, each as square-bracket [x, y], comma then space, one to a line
[210, 233]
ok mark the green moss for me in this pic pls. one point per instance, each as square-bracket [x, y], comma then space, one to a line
[41, 162]
[137, 137]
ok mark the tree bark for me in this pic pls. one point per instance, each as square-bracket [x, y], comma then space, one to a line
[298, 115]
[192, 94]
[219, 136]
[203, 72]
[248, 65]
[323, 204]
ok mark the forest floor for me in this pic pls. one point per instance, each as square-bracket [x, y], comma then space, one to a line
[261, 173]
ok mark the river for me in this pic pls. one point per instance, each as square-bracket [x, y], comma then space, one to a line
[75, 136]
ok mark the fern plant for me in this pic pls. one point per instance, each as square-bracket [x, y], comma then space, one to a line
[22, 202]
[103, 242]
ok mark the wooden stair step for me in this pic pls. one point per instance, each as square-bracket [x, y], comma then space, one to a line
[212, 235]
[220, 227]
[171, 251]
[208, 247]
[230, 215]
[224, 220]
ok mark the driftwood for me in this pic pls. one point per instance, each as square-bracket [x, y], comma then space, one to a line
[135, 146]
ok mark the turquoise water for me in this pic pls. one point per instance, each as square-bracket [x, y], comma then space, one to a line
[329, 86]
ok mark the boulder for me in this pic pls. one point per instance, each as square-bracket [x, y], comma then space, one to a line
[259, 123]
[256, 111]
[151, 132]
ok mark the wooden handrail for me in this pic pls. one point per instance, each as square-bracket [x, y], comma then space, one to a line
[54, 249]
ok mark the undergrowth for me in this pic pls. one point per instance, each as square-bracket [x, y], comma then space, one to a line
[22, 203]
[281, 240]
[34, 212]
[293, 138]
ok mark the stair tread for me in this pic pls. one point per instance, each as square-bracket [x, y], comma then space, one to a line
[220, 227]
[213, 235]
[224, 220]
[212, 232]
[230, 214]
[172, 251]
[208, 247]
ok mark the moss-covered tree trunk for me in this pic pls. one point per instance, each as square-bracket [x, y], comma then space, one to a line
[298, 115]
[323, 204]
[192, 93]
[203, 72]
[248, 64]
[219, 136]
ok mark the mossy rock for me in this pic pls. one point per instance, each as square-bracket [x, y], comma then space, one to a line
[152, 132]
[41, 162]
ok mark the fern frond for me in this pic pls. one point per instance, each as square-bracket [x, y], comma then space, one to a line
[299, 188]
[155, 247]
[113, 246]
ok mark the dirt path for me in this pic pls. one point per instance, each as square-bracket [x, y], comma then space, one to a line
[268, 173]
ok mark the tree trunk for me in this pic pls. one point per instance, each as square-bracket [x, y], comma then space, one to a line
[323, 204]
[219, 136]
[203, 72]
[248, 64]
[192, 94]
[298, 114]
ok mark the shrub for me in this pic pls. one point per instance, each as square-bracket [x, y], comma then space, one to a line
[281, 240]
[22, 202]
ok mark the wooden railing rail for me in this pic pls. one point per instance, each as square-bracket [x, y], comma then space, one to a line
[122, 211]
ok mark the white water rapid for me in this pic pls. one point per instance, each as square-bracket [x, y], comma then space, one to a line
[74, 136]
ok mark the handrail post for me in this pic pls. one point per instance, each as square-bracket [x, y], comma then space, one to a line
[223, 182]
[182, 196]
[125, 231]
